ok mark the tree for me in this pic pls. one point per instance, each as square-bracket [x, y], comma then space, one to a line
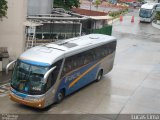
[140, 0]
[3, 8]
[67, 4]
[157, 15]
[97, 3]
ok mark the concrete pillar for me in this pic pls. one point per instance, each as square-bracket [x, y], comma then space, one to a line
[5, 61]
[0, 66]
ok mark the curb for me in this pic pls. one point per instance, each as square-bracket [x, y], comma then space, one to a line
[155, 25]
[116, 19]
[112, 21]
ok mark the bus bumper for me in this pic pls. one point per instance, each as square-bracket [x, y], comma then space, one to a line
[36, 104]
[145, 20]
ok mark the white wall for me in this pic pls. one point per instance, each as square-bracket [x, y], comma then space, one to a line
[39, 7]
[12, 28]
[99, 24]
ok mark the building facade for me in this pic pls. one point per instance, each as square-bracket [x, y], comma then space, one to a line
[12, 29]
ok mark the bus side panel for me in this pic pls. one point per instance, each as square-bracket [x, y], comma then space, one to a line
[86, 74]
[84, 80]
[107, 63]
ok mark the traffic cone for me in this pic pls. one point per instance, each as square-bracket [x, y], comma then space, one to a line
[121, 18]
[132, 20]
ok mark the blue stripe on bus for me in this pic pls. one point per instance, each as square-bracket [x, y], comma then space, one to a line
[36, 63]
[19, 94]
[86, 79]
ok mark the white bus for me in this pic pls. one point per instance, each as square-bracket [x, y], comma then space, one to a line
[46, 74]
[147, 12]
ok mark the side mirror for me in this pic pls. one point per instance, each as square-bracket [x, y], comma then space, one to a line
[47, 74]
[9, 64]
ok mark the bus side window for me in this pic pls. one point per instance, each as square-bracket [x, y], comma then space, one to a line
[101, 52]
[53, 76]
[86, 57]
[105, 50]
[80, 61]
[68, 66]
[93, 56]
[112, 47]
[97, 54]
[64, 70]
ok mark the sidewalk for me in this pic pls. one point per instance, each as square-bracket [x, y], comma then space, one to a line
[4, 78]
[110, 22]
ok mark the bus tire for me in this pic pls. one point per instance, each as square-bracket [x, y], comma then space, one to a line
[60, 96]
[99, 76]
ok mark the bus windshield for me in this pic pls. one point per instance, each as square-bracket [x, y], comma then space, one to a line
[28, 78]
[145, 13]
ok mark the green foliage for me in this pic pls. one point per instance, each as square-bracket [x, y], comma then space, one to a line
[140, 0]
[116, 14]
[97, 3]
[3, 8]
[106, 30]
[158, 15]
[66, 4]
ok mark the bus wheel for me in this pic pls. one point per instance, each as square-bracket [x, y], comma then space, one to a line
[99, 76]
[60, 96]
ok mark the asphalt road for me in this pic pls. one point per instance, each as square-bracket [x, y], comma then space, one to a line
[131, 87]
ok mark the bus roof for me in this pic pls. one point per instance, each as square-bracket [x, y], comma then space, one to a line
[47, 54]
[148, 5]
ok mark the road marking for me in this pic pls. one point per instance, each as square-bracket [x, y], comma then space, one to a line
[7, 84]
[3, 95]
[4, 89]
[1, 91]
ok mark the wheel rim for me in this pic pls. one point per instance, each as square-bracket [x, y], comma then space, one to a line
[99, 76]
[60, 96]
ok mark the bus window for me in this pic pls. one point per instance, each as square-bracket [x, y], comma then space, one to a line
[53, 76]
[98, 53]
[73, 62]
[80, 60]
[112, 47]
[105, 51]
[67, 66]
[86, 57]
